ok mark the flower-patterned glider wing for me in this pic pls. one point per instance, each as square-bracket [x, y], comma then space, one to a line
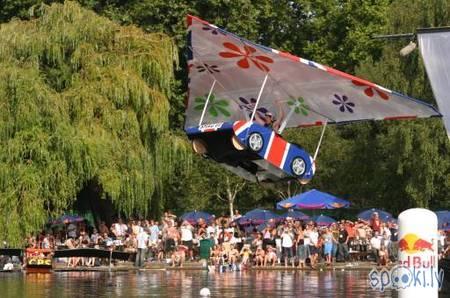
[309, 92]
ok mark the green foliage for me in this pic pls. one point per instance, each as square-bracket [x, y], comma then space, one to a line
[81, 98]
[358, 161]
[15, 8]
[394, 165]
[412, 158]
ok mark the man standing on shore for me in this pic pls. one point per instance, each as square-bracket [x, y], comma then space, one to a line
[342, 251]
[187, 237]
[142, 242]
[287, 242]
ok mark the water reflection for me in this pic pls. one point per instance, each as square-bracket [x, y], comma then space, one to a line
[188, 284]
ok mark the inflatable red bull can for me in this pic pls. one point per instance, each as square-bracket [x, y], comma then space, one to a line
[417, 272]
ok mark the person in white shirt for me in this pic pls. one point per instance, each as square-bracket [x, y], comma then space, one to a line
[186, 237]
[211, 229]
[119, 229]
[375, 243]
[313, 236]
[142, 244]
[287, 241]
[123, 227]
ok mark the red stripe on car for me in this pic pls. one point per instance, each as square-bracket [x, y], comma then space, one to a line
[276, 151]
[238, 124]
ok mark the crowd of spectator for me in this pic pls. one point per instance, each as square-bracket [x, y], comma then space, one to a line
[223, 242]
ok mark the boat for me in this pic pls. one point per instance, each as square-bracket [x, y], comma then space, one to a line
[5, 255]
[38, 260]
[93, 253]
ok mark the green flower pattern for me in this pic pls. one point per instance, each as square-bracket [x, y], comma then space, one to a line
[215, 106]
[300, 105]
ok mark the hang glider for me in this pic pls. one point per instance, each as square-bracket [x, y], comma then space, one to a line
[234, 83]
[298, 92]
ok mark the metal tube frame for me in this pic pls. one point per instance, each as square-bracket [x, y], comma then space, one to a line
[289, 115]
[259, 97]
[206, 103]
[320, 141]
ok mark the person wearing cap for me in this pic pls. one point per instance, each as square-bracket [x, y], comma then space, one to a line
[267, 119]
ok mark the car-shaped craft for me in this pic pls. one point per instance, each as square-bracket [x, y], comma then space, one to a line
[252, 151]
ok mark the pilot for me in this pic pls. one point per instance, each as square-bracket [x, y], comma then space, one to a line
[268, 120]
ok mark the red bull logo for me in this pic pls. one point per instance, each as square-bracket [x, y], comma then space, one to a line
[412, 244]
[414, 247]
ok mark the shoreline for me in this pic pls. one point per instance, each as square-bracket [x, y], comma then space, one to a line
[197, 266]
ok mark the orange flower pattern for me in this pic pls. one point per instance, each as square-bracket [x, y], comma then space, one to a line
[369, 91]
[247, 55]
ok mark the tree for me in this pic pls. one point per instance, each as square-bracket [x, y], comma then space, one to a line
[231, 191]
[412, 166]
[82, 99]
[369, 163]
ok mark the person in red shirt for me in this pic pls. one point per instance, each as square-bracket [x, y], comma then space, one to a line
[351, 231]
[375, 222]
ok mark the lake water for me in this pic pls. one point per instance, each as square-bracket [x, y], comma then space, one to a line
[188, 283]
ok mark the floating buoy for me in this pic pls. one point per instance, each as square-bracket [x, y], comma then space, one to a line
[205, 292]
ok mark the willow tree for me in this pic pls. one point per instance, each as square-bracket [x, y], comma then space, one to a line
[81, 99]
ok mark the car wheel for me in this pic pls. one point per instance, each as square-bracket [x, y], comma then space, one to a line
[255, 141]
[199, 146]
[298, 166]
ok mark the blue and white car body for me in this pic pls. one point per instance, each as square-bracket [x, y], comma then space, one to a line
[252, 151]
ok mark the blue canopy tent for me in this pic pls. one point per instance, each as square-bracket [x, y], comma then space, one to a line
[262, 226]
[249, 229]
[367, 214]
[323, 220]
[243, 221]
[443, 217]
[313, 199]
[296, 215]
[258, 216]
[194, 216]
